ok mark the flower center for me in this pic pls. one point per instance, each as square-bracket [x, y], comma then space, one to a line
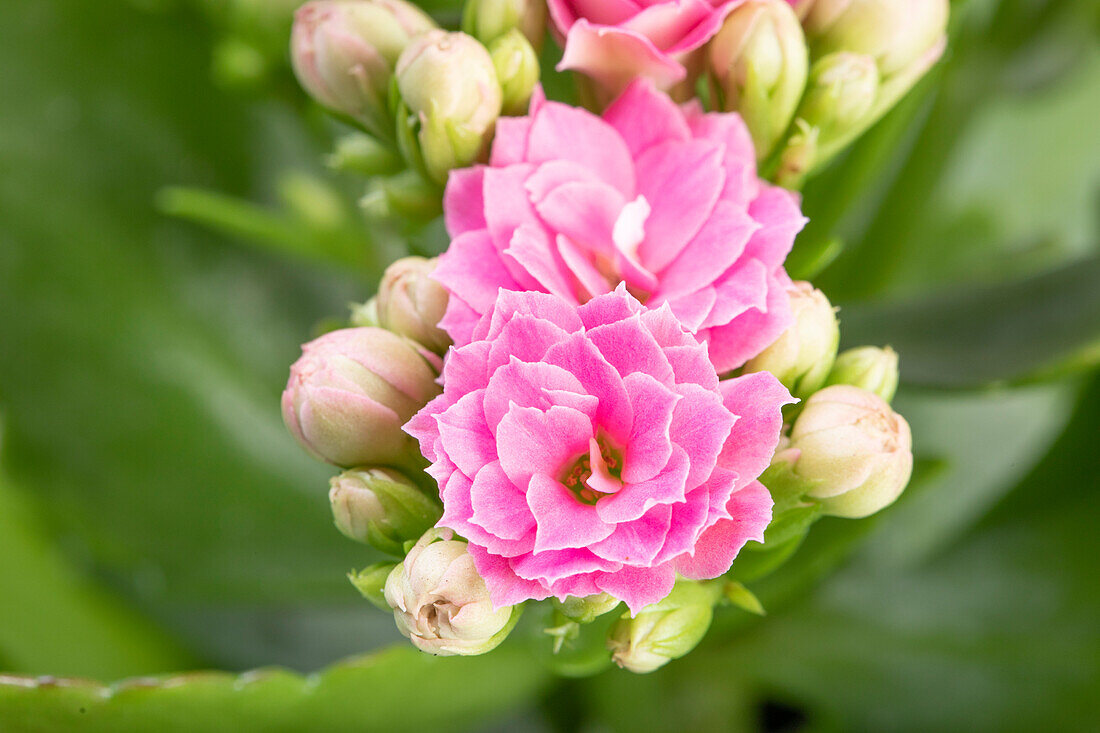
[595, 474]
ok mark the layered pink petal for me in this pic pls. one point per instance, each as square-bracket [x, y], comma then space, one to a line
[681, 181]
[613, 57]
[751, 509]
[645, 117]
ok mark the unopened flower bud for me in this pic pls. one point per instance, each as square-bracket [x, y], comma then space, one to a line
[364, 154]
[759, 63]
[488, 20]
[411, 303]
[517, 69]
[803, 354]
[869, 368]
[344, 51]
[838, 105]
[895, 33]
[441, 603]
[840, 94]
[381, 507]
[450, 90]
[350, 393]
[853, 450]
[665, 630]
[587, 609]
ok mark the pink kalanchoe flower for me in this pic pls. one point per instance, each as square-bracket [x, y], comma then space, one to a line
[663, 198]
[592, 449]
[615, 41]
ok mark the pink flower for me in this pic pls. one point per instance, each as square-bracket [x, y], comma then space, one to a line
[593, 449]
[614, 41]
[662, 198]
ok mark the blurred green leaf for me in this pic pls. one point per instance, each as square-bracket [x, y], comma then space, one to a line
[399, 689]
[975, 336]
[143, 359]
[53, 621]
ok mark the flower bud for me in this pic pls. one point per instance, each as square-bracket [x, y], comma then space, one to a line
[344, 51]
[381, 507]
[488, 20]
[803, 354]
[350, 393]
[895, 33]
[665, 630]
[869, 368]
[587, 609]
[449, 88]
[363, 154]
[517, 69]
[759, 64]
[855, 452]
[441, 603]
[838, 105]
[411, 303]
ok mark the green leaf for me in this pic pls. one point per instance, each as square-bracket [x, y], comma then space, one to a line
[54, 621]
[399, 689]
[971, 337]
[144, 359]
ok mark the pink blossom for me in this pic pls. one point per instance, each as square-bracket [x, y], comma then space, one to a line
[592, 449]
[662, 198]
[614, 41]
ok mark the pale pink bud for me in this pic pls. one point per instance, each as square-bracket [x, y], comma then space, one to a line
[759, 63]
[350, 393]
[441, 603]
[411, 303]
[449, 85]
[853, 450]
[803, 355]
[344, 51]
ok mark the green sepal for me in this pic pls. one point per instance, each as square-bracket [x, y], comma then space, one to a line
[743, 598]
[371, 582]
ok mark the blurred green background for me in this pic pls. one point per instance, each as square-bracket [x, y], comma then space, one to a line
[156, 517]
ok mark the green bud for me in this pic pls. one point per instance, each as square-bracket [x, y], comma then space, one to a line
[758, 63]
[407, 195]
[665, 630]
[803, 354]
[869, 368]
[363, 154]
[588, 609]
[411, 303]
[371, 582]
[517, 68]
[488, 20]
[895, 33]
[381, 507]
[450, 101]
[838, 106]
